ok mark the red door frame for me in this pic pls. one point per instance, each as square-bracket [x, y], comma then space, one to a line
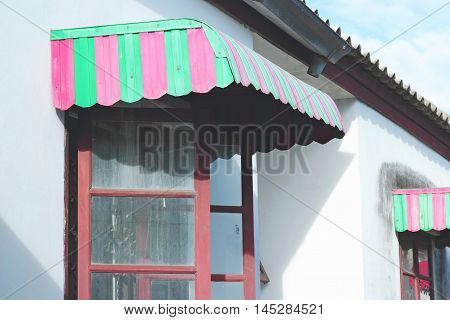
[201, 267]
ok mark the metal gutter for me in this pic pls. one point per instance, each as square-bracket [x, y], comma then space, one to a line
[302, 24]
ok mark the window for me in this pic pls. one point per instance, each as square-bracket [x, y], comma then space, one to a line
[146, 226]
[416, 266]
[232, 249]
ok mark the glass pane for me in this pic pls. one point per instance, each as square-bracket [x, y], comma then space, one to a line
[136, 155]
[227, 290]
[407, 255]
[172, 289]
[422, 252]
[408, 288]
[225, 182]
[132, 286]
[441, 269]
[226, 243]
[113, 286]
[142, 230]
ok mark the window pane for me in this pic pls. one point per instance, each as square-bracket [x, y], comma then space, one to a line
[441, 266]
[225, 182]
[408, 288]
[423, 260]
[407, 254]
[172, 289]
[113, 286]
[137, 155]
[227, 290]
[142, 230]
[226, 243]
[125, 286]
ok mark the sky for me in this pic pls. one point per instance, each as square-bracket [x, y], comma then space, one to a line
[420, 56]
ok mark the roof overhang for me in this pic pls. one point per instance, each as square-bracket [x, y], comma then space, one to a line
[366, 81]
[106, 64]
[297, 20]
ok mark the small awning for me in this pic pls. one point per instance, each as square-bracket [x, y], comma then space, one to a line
[421, 209]
[105, 64]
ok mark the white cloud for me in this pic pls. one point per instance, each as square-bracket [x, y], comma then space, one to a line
[420, 57]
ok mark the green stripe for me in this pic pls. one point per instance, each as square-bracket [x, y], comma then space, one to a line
[84, 72]
[266, 74]
[230, 57]
[130, 67]
[304, 101]
[285, 86]
[330, 109]
[447, 210]
[426, 211]
[399, 208]
[317, 104]
[224, 76]
[177, 62]
[124, 28]
[251, 74]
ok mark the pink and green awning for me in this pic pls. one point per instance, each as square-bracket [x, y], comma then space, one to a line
[421, 209]
[127, 62]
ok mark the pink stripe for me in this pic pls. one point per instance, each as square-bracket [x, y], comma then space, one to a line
[298, 103]
[62, 73]
[439, 211]
[337, 112]
[325, 108]
[255, 65]
[311, 103]
[424, 190]
[107, 70]
[202, 61]
[412, 209]
[154, 75]
[277, 82]
[243, 74]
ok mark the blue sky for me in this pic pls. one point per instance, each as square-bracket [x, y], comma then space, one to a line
[420, 57]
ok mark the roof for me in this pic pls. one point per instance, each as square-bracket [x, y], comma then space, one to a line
[390, 81]
[127, 62]
[421, 209]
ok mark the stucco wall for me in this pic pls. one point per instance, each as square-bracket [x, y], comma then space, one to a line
[389, 158]
[354, 252]
[32, 132]
[308, 220]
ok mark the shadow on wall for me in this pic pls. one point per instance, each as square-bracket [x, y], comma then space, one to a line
[396, 176]
[18, 267]
[284, 221]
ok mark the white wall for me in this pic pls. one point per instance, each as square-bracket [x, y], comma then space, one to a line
[388, 150]
[354, 254]
[307, 255]
[32, 132]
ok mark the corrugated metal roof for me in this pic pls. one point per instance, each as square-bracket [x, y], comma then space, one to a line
[421, 209]
[389, 79]
[105, 64]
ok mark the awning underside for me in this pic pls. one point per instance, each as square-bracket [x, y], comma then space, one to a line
[102, 65]
[421, 209]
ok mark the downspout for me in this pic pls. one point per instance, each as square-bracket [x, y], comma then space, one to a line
[305, 26]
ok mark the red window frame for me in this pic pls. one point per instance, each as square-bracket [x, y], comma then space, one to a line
[417, 240]
[201, 268]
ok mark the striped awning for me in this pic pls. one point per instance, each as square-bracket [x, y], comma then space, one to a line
[102, 65]
[421, 209]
